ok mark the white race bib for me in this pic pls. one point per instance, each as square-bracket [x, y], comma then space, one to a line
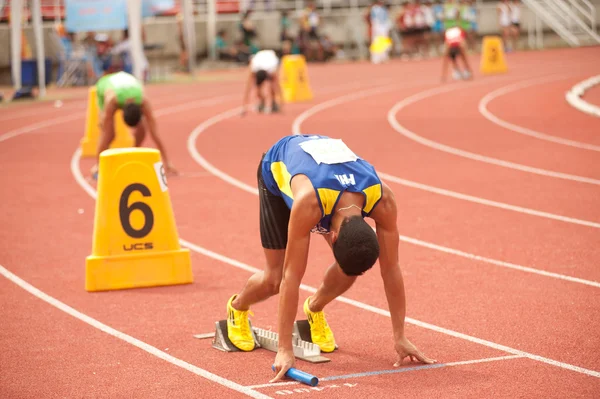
[329, 151]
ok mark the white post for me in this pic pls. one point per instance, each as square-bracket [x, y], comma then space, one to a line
[539, 31]
[134, 10]
[16, 8]
[211, 29]
[189, 35]
[36, 17]
[57, 12]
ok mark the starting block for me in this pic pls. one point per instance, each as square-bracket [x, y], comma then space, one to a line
[492, 56]
[135, 241]
[294, 82]
[304, 349]
[89, 142]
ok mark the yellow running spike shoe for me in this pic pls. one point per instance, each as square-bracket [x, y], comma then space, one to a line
[320, 332]
[238, 327]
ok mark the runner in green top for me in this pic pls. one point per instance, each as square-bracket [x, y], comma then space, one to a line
[123, 91]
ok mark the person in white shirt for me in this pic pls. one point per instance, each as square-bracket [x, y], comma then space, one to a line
[264, 67]
[504, 20]
[515, 20]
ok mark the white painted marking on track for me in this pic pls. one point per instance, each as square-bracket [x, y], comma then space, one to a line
[196, 155]
[128, 338]
[222, 258]
[413, 367]
[365, 93]
[483, 110]
[466, 154]
[574, 95]
[191, 145]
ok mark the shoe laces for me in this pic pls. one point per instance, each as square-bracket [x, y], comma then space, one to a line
[245, 326]
[320, 323]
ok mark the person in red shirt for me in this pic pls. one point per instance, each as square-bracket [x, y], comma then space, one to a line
[454, 40]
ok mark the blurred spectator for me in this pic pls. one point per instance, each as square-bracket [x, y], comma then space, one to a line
[226, 52]
[408, 29]
[504, 21]
[248, 30]
[284, 24]
[468, 18]
[451, 14]
[123, 50]
[515, 19]
[330, 50]
[309, 33]
[183, 54]
[437, 30]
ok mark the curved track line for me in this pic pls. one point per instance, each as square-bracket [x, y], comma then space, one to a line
[196, 248]
[483, 110]
[191, 145]
[466, 154]
[365, 93]
[128, 338]
[573, 96]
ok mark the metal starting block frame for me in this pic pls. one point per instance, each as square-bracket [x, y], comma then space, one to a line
[302, 344]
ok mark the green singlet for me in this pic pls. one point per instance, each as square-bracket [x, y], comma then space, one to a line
[123, 85]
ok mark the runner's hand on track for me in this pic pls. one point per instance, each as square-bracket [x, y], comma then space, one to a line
[284, 360]
[406, 349]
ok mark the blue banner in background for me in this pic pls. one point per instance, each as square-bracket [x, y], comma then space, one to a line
[95, 15]
[153, 7]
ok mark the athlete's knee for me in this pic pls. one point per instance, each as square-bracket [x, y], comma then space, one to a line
[273, 285]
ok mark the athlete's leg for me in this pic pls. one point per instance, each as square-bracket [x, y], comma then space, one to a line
[274, 220]
[264, 284]
[445, 57]
[463, 57]
[273, 92]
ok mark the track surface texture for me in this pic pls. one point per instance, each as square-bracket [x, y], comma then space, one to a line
[498, 185]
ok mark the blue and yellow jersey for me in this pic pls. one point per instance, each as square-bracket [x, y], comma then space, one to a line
[331, 167]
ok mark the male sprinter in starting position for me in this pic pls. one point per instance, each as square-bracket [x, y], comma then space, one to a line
[455, 40]
[264, 66]
[122, 90]
[312, 183]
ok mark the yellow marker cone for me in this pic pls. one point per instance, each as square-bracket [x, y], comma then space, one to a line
[294, 79]
[89, 143]
[492, 56]
[135, 241]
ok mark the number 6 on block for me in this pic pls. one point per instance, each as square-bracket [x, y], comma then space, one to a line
[135, 242]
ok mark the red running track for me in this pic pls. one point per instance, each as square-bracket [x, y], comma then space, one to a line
[504, 299]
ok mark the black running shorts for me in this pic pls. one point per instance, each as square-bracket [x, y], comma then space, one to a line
[274, 216]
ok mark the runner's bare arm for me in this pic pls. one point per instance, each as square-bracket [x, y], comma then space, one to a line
[150, 121]
[107, 132]
[305, 214]
[385, 216]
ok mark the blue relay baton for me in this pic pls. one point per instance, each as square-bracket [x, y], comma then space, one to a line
[301, 376]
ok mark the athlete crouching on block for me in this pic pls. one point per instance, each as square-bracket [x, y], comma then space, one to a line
[122, 90]
[264, 67]
[331, 192]
[455, 41]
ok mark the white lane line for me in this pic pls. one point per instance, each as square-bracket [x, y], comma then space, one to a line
[196, 155]
[466, 154]
[191, 145]
[487, 202]
[128, 338]
[574, 95]
[485, 101]
[243, 266]
[365, 93]
[394, 371]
